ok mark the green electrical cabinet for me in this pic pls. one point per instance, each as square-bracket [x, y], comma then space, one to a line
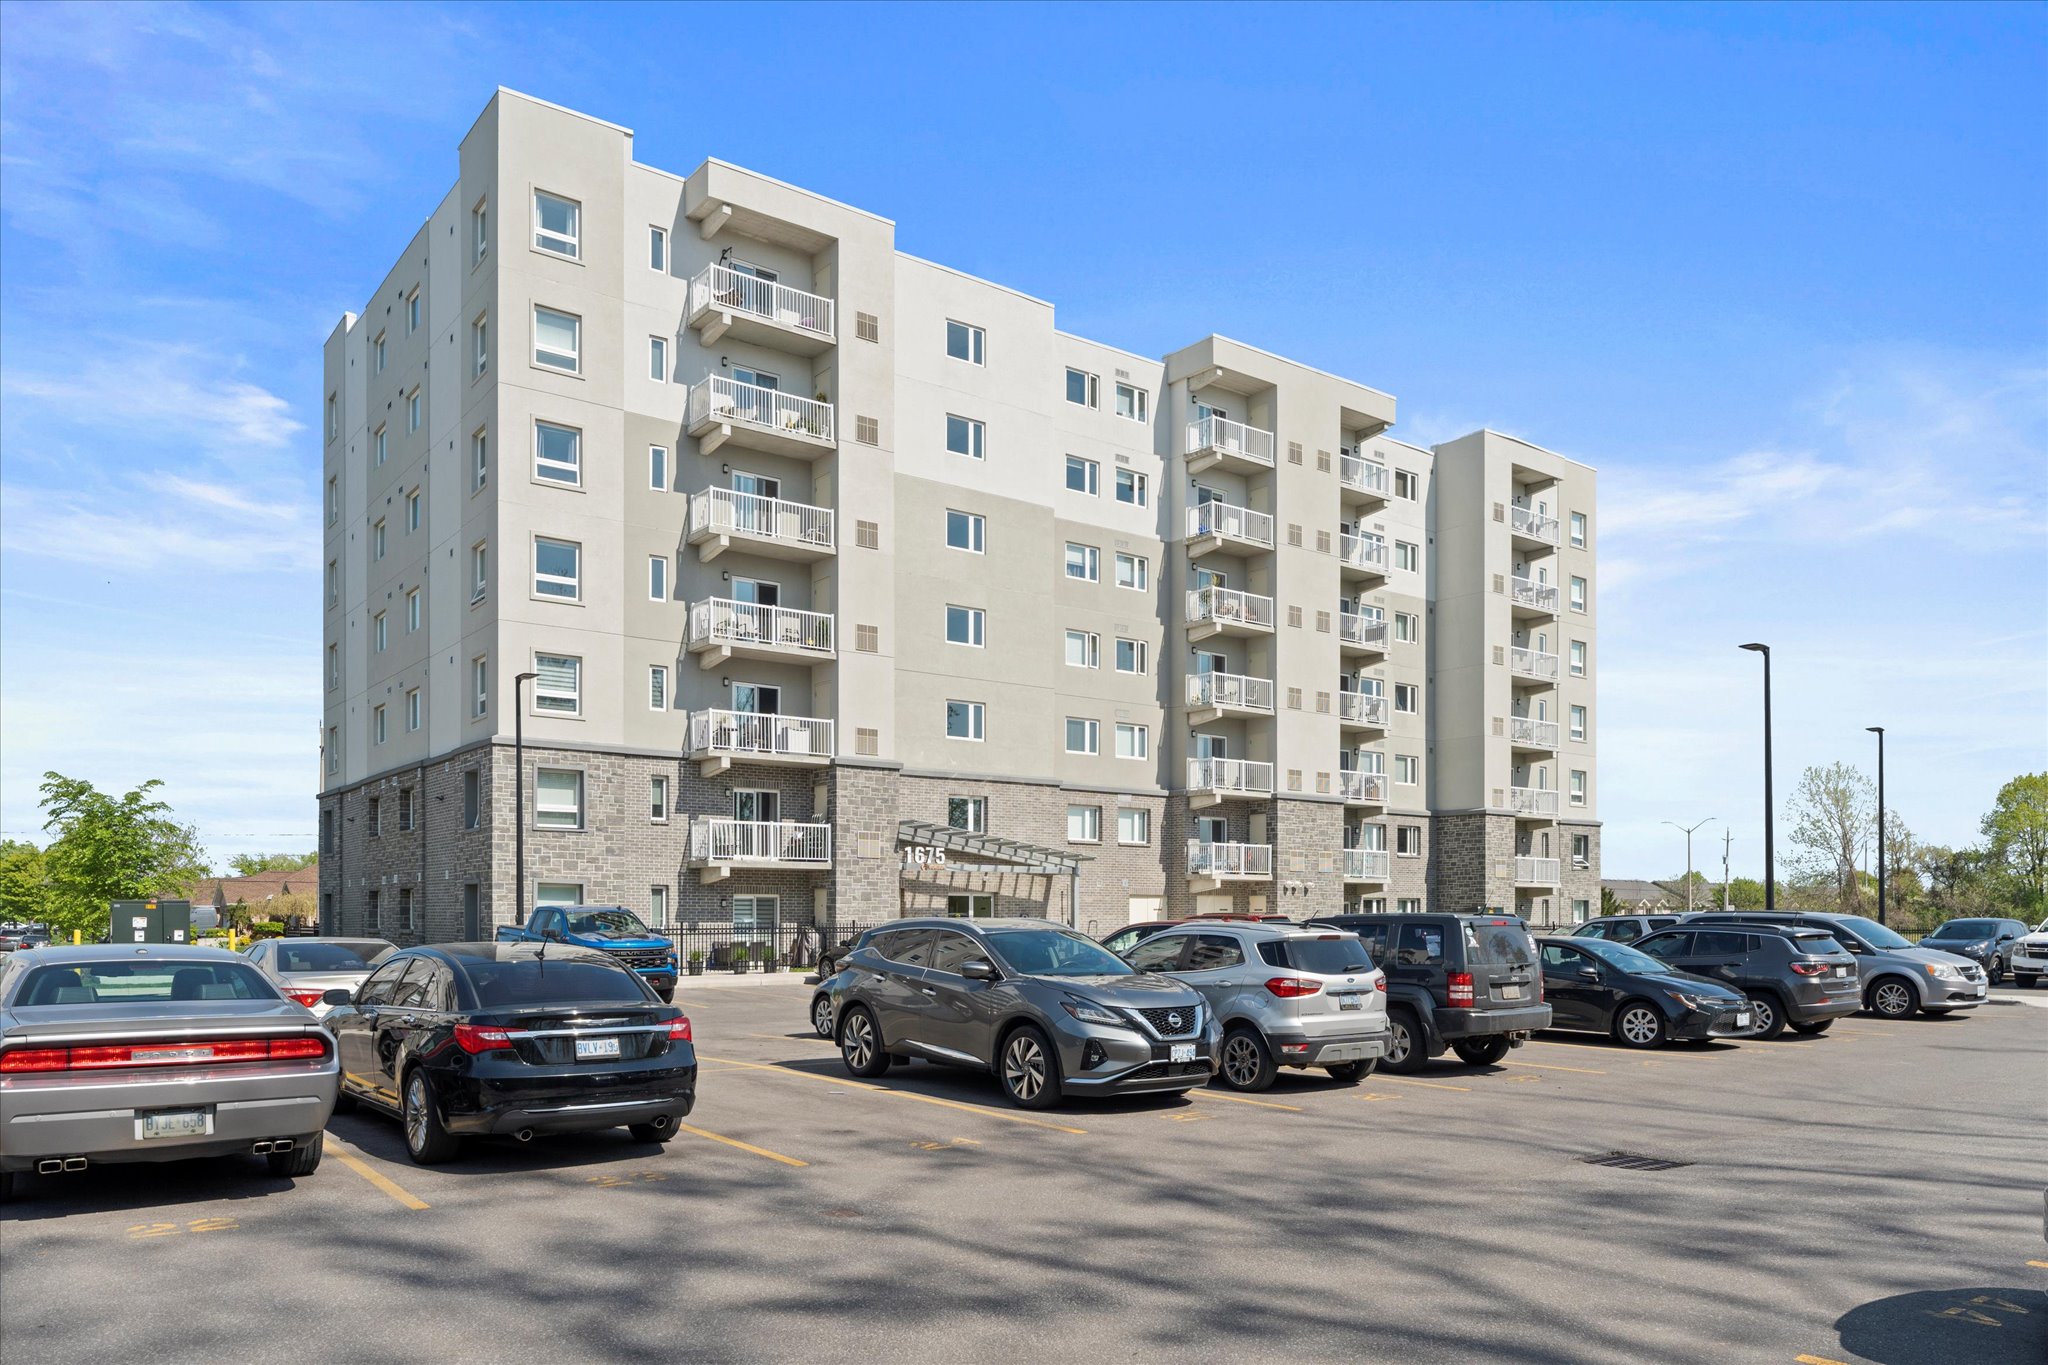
[151, 921]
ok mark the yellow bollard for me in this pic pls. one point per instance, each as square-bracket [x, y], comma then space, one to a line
[74, 938]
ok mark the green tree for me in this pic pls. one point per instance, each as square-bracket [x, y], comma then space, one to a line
[2016, 842]
[1610, 904]
[106, 848]
[24, 883]
[249, 864]
[1745, 893]
[1832, 815]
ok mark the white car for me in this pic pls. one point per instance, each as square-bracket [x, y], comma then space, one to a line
[2029, 960]
[307, 968]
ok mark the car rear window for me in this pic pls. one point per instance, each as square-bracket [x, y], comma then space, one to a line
[1817, 943]
[1498, 943]
[329, 957]
[538, 981]
[1337, 955]
[126, 983]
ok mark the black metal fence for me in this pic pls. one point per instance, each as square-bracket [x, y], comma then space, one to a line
[771, 947]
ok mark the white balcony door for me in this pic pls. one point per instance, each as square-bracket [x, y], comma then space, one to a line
[1212, 829]
[1212, 746]
[1362, 761]
[1373, 837]
[1211, 578]
[1542, 642]
[1207, 663]
[1203, 412]
[758, 591]
[754, 699]
[759, 807]
[752, 405]
[756, 287]
[1204, 495]
[749, 515]
[1543, 708]
[1542, 575]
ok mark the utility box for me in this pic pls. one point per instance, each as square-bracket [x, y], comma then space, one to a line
[152, 921]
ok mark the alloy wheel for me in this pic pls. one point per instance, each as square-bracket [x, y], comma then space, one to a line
[1892, 1000]
[416, 1113]
[858, 1041]
[1024, 1067]
[821, 1016]
[1398, 1043]
[1765, 1015]
[1639, 1026]
[1240, 1061]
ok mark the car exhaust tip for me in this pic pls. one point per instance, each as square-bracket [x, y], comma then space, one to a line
[259, 1148]
[50, 1167]
[524, 1135]
[661, 1123]
[281, 1145]
[74, 1163]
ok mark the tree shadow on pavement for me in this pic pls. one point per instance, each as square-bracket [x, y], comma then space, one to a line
[1948, 1326]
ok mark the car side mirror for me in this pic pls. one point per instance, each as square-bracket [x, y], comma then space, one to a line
[1591, 974]
[552, 935]
[979, 969]
[338, 996]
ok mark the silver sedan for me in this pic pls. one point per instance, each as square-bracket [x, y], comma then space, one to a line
[118, 1053]
[308, 968]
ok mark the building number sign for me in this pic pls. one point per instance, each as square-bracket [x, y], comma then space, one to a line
[921, 855]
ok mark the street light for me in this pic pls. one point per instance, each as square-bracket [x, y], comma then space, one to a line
[1878, 730]
[519, 683]
[1688, 855]
[1770, 847]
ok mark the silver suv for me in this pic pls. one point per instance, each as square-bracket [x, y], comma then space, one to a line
[1284, 995]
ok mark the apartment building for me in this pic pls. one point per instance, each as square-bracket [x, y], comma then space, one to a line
[816, 581]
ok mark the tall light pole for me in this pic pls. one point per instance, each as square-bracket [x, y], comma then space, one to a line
[519, 682]
[1688, 855]
[1770, 845]
[1878, 730]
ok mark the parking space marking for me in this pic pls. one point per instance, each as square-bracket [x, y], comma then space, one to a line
[947, 1145]
[1433, 1085]
[619, 1182]
[1581, 1070]
[1816, 1360]
[743, 1146]
[142, 1231]
[795, 1038]
[378, 1178]
[1186, 1116]
[851, 1084]
[1239, 1099]
[1369, 1096]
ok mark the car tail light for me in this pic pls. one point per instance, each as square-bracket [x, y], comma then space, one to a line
[306, 998]
[1461, 989]
[35, 1059]
[1290, 987]
[1379, 983]
[679, 1029]
[472, 1038]
[164, 1052]
[1810, 968]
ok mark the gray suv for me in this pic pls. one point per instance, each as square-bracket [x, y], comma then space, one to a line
[1284, 996]
[1049, 1011]
[1897, 976]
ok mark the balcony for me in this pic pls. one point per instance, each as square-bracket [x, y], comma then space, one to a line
[1532, 663]
[1219, 863]
[1219, 443]
[1536, 871]
[721, 519]
[1226, 526]
[1212, 696]
[1362, 788]
[1527, 732]
[722, 629]
[1366, 479]
[1533, 526]
[1361, 634]
[718, 739]
[1361, 711]
[1363, 556]
[1366, 864]
[1536, 803]
[1215, 780]
[1527, 598]
[1226, 611]
[724, 411]
[728, 302]
[719, 846]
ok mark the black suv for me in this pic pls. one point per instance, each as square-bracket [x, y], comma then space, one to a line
[1467, 983]
[1795, 978]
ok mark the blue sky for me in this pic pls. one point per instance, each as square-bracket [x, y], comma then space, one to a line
[1778, 273]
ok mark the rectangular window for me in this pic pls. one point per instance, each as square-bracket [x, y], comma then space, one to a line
[963, 720]
[1578, 787]
[412, 709]
[377, 725]
[479, 345]
[1133, 741]
[657, 359]
[1404, 485]
[1133, 571]
[1582, 850]
[479, 686]
[380, 631]
[379, 352]
[1408, 905]
[1084, 649]
[1084, 562]
[1408, 841]
[657, 799]
[1578, 658]
[964, 626]
[333, 416]
[964, 436]
[1404, 627]
[557, 453]
[657, 249]
[657, 687]
[479, 458]
[479, 570]
[413, 407]
[1130, 487]
[657, 905]
[964, 531]
[1134, 826]
[558, 798]
[1084, 476]
[334, 665]
[412, 310]
[479, 231]
[1130, 402]
[971, 905]
[657, 578]
[333, 582]
[372, 914]
[1084, 824]
[1405, 767]
[412, 511]
[557, 569]
[1579, 723]
[964, 342]
[1578, 594]
[333, 749]
[1083, 736]
[557, 224]
[558, 684]
[1130, 656]
[1084, 389]
[333, 501]
[657, 468]
[1405, 697]
[375, 818]
[968, 812]
[383, 446]
[557, 340]
[472, 798]
[1578, 530]
[1407, 556]
[412, 611]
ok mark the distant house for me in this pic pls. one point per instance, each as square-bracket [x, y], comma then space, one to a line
[1644, 898]
[224, 893]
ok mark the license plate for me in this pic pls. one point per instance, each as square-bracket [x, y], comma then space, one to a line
[1350, 1002]
[1181, 1052]
[187, 1123]
[1742, 1021]
[588, 1048]
[1841, 971]
[1511, 992]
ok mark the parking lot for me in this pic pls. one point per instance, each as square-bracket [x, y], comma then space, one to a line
[1873, 1194]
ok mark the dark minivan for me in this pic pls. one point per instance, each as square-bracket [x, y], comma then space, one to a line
[1463, 983]
[465, 1039]
[1795, 978]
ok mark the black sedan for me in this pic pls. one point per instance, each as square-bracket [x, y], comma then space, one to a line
[1597, 986]
[466, 1039]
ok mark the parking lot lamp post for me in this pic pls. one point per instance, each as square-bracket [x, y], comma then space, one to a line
[1688, 856]
[519, 683]
[1770, 846]
[1878, 730]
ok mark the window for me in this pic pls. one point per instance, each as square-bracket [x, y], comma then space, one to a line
[1084, 824]
[964, 531]
[472, 798]
[479, 231]
[1405, 697]
[1133, 571]
[557, 569]
[373, 916]
[383, 446]
[1130, 402]
[556, 223]
[1084, 649]
[1408, 905]
[374, 817]
[412, 310]
[963, 720]
[333, 748]
[1578, 658]
[412, 611]
[1130, 656]
[1582, 850]
[1130, 487]
[479, 458]
[657, 578]
[557, 453]
[968, 905]
[479, 345]
[377, 725]
[377, 539]
[333, 501]
[657, 359]
[1084, 389]
[964, 342]
[964, 626]
[557, 340]
[1404, 485]
[964, 436]
[1134, 826]
[657, 468]
[657, 249]
[1580, 911]
[333, 582]
[479, 570]
[558, 798]
[379, 352]
[1133, 741]
[657, 687]
[412, 511]
[558, 688]
[657, 799]
[1578, 530]
[413, 404]
[1578, 594]
[1404, 627]
[1084, 562]
[334, 665]
[968, 812]
[657, 905]
[1084, 476]
[1408, 841]
[1404, 770]
[1579, 723]
[333, 416]
[412, 721]
[380, 631]
[1083, 736]
[1578, 787]
[479, 685]
[1406, 556]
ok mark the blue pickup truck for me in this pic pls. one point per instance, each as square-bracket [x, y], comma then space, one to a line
[610, 929]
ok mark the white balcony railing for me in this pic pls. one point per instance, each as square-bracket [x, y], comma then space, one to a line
[1540, 734]
[1230, 691]
[1533, 800]
[715, 839]
[1536, 871]
[1367, 552]
[1240, 775]
[1231, 607]
[1231, 438]
[727, 400]
[1229, 861]
[1230, 522]
[1367, 476]
[1533, 663]
[1541, 596]
[725, 512]
[1529, 522]
[722, 621]
[1354, 628]
[1353, 785]
[720, 286]
[751, 734]
[1365, 864]
[1360, 708]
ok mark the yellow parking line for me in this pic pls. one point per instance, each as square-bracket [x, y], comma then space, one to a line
[2039, 1265]
[1816, 1360]
[850, 1083]
[743, 1146]
[379, 1179]
[1239, 1099]
[1433, 1085]
[1581, 1070]
[794, 1038]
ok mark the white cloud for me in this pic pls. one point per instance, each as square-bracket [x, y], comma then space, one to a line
[160, 389]
[148, 524]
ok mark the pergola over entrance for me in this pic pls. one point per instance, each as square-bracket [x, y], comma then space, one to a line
[1014, 855]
